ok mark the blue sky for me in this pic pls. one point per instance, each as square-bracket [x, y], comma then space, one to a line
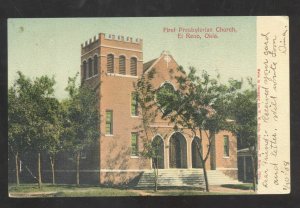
[52, 46]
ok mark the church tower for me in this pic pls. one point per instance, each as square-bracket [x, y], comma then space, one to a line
[111, 64]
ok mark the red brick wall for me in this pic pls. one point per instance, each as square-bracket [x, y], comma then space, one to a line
[221, 160]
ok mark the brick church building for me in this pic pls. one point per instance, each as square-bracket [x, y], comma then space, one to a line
[111, 64]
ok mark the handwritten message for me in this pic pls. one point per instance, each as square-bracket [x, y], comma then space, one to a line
[273, 105]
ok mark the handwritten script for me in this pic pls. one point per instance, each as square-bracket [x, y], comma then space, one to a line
[273, 170]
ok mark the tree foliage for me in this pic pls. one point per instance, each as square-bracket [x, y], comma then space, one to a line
[82, 119]
[244, 112]
[148, 111]
[32, 115]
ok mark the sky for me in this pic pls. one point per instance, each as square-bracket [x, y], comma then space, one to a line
[51, 47]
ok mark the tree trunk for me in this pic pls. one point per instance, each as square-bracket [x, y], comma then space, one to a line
[205, 175]
[17, 169]
[155, 176]
[52, 161]
[39, 170]
[254, 172]
[77, 175]
[204, 167]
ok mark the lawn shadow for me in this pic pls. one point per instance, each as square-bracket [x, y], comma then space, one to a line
[238, 186]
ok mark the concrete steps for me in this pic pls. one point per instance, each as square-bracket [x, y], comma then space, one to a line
[192, 178]
[217, 177]
[173, 178]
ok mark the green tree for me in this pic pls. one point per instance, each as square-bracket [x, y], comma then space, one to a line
[145, 94]
[82, 126]
[151, 150]
[244, 112]
[18, 120]
[54, 132]
[200, 104]
[42, 121]
[32, 99]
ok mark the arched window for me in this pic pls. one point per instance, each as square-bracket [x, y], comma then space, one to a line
[110, 63]
[177, 151]
[133, 66]
[165, 97]
[84, 71]
[122, 66]
[158, 151]
[95, 64]
[197, 149]
[90, 65]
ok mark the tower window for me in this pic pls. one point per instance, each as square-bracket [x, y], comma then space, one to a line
[134, 104]
[226, 146]
[90, 65]
[95, 64]
[84, 71]
[110, 63]
[122, 66]
[134, 144]
[133, 66]
[109, 122]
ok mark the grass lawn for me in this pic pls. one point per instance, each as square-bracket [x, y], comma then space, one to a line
[64, 190]
[178, 192]
[244, 186]
[183, 193]
[48, 190]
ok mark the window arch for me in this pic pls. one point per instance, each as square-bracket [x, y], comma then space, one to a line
[84, 70]
[177, 151]
[110, 63]
[95, 64]
[133, 66]
[90, 67]
[122, 65]
[158, 150]
[165, 97]
[196, 150]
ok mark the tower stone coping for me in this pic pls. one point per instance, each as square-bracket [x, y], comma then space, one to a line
[122, 38]
[90, 41]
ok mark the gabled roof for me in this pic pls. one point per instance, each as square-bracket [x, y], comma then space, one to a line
[148, 64]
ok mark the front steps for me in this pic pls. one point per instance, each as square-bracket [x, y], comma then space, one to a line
[217, 177]
[184, 178]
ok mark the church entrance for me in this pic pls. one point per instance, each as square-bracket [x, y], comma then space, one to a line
[158, 147]
[196, 145]
[177, 154]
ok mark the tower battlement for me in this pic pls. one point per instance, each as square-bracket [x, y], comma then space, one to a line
[123, 38]
[90, 42]
[111, 40]
[120, 38]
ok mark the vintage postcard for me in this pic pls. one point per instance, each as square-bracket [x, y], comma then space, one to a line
[148, 106]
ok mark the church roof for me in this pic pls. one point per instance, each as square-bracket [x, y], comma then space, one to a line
[148, 64]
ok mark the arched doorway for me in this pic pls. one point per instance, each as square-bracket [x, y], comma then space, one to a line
[177, 154]
[158, 147]
[196, 145]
